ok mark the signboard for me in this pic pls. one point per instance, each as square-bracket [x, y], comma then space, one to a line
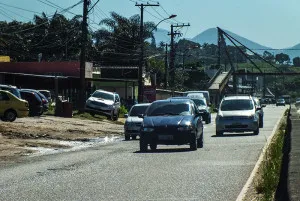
[4, 58]
[149, 94]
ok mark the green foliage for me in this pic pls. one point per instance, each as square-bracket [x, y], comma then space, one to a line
[296, 61]
[282, 58]
[123, 110]
[271, 166]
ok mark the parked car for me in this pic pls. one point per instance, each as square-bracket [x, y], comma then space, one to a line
[45, 101]
[12, 89]
[104, 103]
[12, 107]
[34, 101]
[47, 94]
[237, 114]
[200, 102]
[133, 122]
[260, 111]
[171, 122]
[298, 100]
[280, 101]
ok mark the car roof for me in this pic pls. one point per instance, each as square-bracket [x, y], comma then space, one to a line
[108, 92]
[174, 101]
[187, 97]
[141, 104]
[237, 97]
[8, 86]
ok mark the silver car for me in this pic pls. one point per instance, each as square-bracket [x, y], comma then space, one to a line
[237, 114]
[133, 123]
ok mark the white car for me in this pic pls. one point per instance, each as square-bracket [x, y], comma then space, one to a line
[133, 122]
[237, 114]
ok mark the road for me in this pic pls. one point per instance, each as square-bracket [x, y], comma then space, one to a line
[117, 171]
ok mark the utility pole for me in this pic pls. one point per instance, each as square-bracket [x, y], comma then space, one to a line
[83, 56]
[166, 66]
[172, 53]
[141, 60]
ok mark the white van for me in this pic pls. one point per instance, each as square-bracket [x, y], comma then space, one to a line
[205, 94]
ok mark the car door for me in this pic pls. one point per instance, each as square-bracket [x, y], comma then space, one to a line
[4, 102]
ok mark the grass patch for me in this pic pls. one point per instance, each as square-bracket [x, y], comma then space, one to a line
[86, 115]
[269, 171]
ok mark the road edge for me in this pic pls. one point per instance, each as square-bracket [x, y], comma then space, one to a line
[244, 190]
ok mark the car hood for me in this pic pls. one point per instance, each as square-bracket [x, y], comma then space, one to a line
[157, 121]
[236, 113]
[107, 102]
[134, 119]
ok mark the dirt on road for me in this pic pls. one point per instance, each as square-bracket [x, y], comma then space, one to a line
[18, 137]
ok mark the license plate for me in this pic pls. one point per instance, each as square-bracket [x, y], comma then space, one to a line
[165, 137]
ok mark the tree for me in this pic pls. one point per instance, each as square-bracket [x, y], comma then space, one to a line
[268, 56]
[296, 61]
[281, 58]
[119, 42]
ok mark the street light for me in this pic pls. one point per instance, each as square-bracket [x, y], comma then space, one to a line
[141, 63]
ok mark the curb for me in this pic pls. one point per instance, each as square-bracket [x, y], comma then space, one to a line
[244, 190]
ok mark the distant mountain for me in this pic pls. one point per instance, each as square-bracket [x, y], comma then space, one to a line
[210, 36]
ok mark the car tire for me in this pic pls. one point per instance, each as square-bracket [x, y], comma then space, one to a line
[153, 146]
[143, 145]
[133, 137]
[127, 137]
[256, 132]
[219, 133]
[116, 117]
[200, 141]
[193, 143]
[10, 115]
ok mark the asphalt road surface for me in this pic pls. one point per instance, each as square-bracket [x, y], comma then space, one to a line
[117, 171]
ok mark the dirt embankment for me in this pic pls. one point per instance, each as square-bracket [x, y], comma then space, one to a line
[16, 137]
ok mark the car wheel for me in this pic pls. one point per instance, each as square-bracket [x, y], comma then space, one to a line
[116, 117]
[111, 116]
[256, 132]
[193, 143]
[200, 141]
[143, 145]
[127, 137]
[10, 115]
[133, 137]
[153, 146]
[2, 118]
[261, 122]
[219, 133]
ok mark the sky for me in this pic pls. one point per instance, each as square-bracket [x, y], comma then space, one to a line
[272, 23]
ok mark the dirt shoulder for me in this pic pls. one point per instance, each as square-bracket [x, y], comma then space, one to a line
[16, 138]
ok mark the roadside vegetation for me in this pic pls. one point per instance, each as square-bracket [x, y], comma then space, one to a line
[268, 176]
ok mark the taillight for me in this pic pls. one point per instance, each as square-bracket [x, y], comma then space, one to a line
[44, 101]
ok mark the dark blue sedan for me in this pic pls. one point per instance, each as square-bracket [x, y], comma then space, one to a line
[172, 122]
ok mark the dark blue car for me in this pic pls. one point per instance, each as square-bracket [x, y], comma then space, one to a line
[172, 122]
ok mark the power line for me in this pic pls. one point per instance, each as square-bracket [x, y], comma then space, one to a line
[20, 8]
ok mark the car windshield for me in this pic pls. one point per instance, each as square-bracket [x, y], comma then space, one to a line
[199, 102]
[137, 110]
[102, 95]
[280, 100]
[168, 108]
[238, 104]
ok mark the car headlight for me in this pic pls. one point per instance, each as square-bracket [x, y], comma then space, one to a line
[111, 107]
[219, 117]
[88, 102]
[147, 129]
[185, 128]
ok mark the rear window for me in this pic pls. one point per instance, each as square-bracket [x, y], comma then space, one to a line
[238, 104]
[168, 108]
[137, 110]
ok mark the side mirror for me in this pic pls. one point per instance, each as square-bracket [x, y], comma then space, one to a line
[141, 116]
[126, 115]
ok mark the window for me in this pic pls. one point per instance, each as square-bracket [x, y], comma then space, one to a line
[4, 96]
[117, 98]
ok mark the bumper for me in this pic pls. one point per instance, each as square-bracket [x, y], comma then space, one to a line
[174, 138]
[98, 110]
[132, 132]
[241, 126]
